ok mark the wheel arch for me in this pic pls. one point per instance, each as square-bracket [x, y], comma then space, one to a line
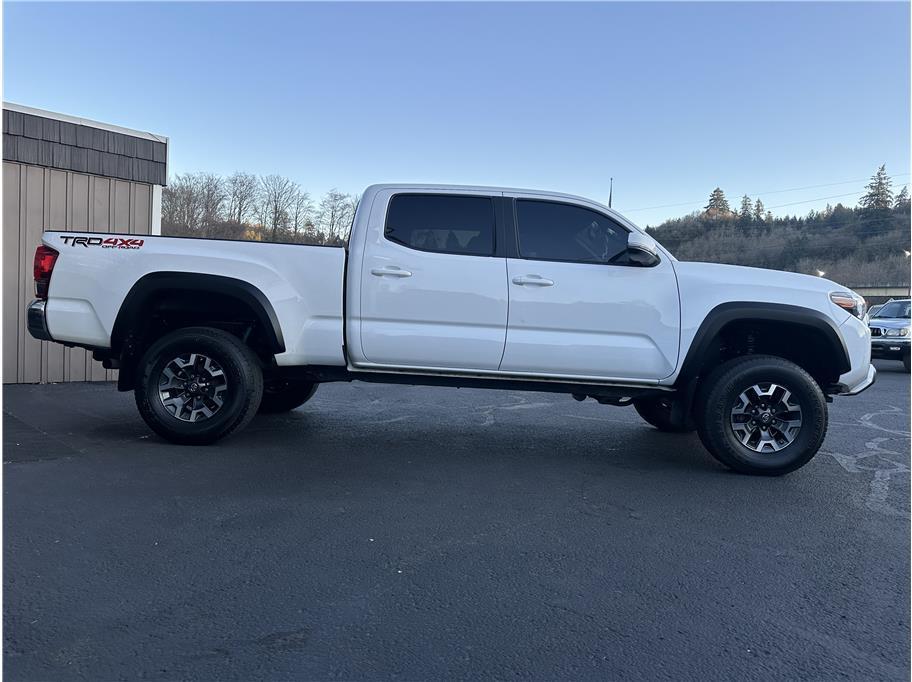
[148, 287]
[796, 322]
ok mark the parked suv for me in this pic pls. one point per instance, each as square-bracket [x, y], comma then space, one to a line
[462, 286]
[891, 333]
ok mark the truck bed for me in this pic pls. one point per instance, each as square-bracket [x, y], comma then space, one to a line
[95, 273]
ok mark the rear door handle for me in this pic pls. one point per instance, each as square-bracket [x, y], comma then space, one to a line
[390, 271]
[533, 280]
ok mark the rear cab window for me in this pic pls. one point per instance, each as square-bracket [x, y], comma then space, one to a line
[442, 223]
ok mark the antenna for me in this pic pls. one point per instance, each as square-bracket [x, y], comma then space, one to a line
[611, 193]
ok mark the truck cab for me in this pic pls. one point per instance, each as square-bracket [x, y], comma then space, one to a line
[507, 283]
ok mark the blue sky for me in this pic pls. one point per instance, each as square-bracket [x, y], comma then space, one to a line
[670, 99]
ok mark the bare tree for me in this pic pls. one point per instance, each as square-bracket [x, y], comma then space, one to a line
[170, 211]
[243, 191]
[261, 210]
[336, 211]
[277, 199]
[182, 207]
[211, 199]
[301, 211]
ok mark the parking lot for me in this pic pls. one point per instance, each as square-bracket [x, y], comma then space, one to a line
[418, 533]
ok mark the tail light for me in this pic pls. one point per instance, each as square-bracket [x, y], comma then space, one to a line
[45, 257]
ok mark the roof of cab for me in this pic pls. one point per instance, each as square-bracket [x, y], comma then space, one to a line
[478, 188]
[373, 189]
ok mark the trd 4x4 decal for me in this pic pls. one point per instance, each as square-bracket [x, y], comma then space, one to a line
[105, 243]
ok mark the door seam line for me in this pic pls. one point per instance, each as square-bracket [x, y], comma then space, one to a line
[503, 352]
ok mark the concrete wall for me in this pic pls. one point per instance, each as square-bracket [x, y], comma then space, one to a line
[35, 199]
[875, 295]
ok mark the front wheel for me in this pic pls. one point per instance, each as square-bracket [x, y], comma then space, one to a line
[761, 415]
[197, 385]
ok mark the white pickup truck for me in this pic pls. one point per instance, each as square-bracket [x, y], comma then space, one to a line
[462, 286]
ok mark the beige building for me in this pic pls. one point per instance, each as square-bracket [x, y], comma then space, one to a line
[66, 173]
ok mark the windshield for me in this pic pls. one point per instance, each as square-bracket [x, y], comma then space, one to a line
[894, 309]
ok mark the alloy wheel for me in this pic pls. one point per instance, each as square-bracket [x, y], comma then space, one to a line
[192, 387]
[765, 417]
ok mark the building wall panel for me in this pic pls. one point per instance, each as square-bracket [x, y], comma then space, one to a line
[37, 199]
[80, 206]
[142, 209]
[57, 199]
[12, 264]
[31, 227]
[101, 202]
[121, 206]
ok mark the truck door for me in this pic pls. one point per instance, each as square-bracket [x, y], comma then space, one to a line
[433, 289]
[576, 309]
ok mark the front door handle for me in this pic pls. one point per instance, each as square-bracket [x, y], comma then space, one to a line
[390, 271]
[533, 280]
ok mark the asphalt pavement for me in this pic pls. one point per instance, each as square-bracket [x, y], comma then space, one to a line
[385, 532]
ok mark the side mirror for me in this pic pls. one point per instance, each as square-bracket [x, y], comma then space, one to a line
[642, 250]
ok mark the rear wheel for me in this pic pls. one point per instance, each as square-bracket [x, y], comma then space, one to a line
[761, 415]
[284, 395]
[658, 412]
[197, 385]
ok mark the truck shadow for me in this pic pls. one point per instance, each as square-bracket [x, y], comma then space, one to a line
[632, 446]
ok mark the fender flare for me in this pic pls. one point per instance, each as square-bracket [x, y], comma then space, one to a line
[147, 286]
[726, 313]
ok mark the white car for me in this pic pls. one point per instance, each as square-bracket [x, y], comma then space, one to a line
[462, 286]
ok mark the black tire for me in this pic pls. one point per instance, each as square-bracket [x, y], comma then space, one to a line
[657, 411]
[719, 399]
[907, 362]
[231, 364]
[284, 395]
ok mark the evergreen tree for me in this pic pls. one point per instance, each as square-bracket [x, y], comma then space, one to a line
[718, 204]
[880, 192]
[747, 208]
[758, 210]
[902, 199]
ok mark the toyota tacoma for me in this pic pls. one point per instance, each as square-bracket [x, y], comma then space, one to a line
[462, 286]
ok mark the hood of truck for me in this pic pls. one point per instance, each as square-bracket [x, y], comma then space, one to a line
[758, 276]
[703, 286]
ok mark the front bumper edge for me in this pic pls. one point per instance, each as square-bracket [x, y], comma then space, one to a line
[862, 385]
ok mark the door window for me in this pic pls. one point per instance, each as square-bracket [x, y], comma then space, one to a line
[549, 230]
[444, 223]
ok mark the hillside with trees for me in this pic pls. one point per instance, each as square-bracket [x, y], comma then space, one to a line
[862, 245]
